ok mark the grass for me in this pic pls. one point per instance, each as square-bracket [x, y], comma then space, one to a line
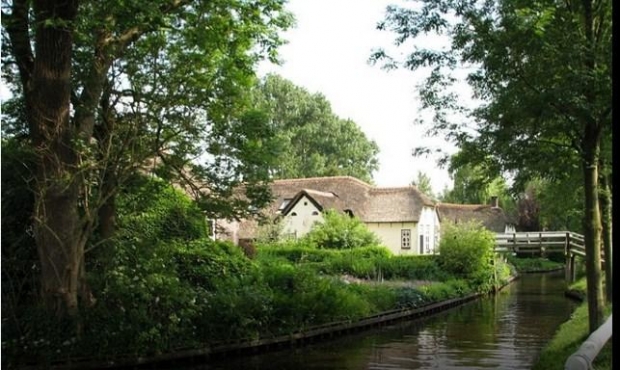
[533, 264]
[569, 338]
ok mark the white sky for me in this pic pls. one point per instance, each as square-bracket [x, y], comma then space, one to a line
[328, 53]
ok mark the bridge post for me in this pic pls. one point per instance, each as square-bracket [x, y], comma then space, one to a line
[569, 274]
[573, 271]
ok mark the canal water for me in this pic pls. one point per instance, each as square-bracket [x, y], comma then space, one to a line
[504, 331]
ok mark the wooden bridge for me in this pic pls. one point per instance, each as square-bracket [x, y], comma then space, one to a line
[566, 242]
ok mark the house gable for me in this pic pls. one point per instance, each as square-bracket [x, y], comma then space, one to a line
[300, 215]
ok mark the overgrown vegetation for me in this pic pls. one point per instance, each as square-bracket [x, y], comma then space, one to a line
[533, 264]
[339, 231]
[466, 251]
[161, 285]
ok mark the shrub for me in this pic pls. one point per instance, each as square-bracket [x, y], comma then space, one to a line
[339, 231]
[150, 210]
[424, 267]
[466, 251]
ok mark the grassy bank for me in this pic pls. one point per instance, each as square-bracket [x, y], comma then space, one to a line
[533, 264]
[569, 338]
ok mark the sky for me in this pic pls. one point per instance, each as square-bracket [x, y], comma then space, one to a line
[327, 53]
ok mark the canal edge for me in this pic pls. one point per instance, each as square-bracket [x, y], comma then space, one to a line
[310, 335]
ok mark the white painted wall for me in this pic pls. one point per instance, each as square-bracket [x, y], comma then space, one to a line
[428, 229]
[510, 228]
[390, 235]
[302, 222]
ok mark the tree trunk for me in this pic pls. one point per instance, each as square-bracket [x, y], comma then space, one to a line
[605, 204]
[57, 225]
[592, 227]
[107, 212]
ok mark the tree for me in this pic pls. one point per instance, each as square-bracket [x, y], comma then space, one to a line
[475, 182]
[542, 71]
[423, 183]
[70, 62]
[313, 140]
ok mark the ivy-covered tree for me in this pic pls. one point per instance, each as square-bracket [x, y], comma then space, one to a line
[542, 73]
[102, 81]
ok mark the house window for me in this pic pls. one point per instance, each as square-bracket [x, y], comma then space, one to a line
[294, 214]
[305, 203]
[348, 212]
[285, 202]
[315, 213]
[405, 238]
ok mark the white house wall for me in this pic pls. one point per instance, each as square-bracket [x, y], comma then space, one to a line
[390, 235]
[306, 214]
[428, 229]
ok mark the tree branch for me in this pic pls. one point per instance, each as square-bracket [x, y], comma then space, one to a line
[16, 25]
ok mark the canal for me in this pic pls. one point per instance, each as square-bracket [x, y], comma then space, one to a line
[504, 331]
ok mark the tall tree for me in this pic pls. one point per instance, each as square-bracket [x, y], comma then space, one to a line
[59, 58]
[313, 140]
[542, 70]
[476, 181]
[423, 183]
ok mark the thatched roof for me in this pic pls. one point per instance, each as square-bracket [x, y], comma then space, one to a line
[402, 204]
[369, 203]
[492, 218]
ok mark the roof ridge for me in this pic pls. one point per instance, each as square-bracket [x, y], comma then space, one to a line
[302, 179]
[319, 192]
[460, 205]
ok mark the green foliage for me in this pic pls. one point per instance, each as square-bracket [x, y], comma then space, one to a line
[339, 231]
[466, 251]
[313, 140]
[150, 210]
[269, 231]
[568, 339]
[408, 297]
[423, 183]
[476, 183]
[541, 87]
[157, 80]
[372, 263]
[533, 264]
[560, 201]
[422, 267]
[20, 266]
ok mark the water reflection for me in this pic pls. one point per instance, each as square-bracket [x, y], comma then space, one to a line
[505, 331]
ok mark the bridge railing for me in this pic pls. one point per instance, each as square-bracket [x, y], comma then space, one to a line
[542, 241]
[587, 352]
[537, 242]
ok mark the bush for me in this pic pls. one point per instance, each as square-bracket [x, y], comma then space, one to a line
[149, 210]
[422, 267]
[466, 251]
[339, 231]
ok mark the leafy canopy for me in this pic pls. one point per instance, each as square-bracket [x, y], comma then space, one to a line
[313, 141]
